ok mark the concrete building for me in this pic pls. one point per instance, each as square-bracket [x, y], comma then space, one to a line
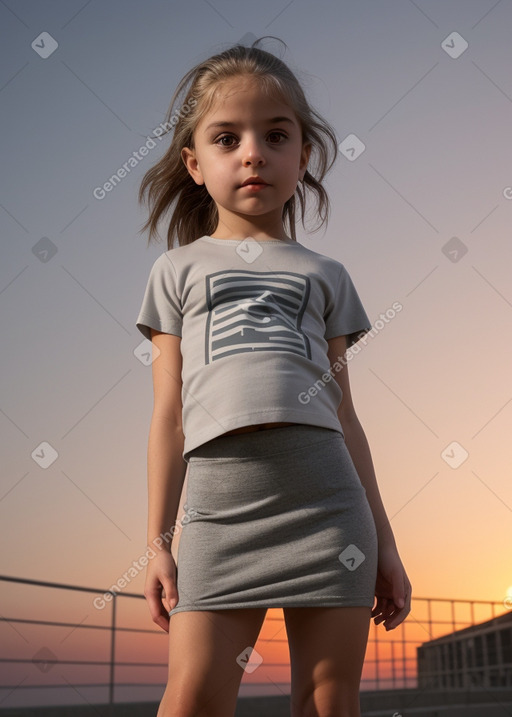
[476, 656]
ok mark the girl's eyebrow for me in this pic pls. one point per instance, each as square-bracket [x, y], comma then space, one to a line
[274, 120]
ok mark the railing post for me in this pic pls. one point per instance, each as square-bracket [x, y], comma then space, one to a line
[112, 650]
[404, 655]
[377, 675]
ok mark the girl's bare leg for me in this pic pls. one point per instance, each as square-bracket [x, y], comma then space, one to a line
[204, 675]
[327, 649]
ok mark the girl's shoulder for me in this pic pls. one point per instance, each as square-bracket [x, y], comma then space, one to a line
[178, 253]
[324, 261]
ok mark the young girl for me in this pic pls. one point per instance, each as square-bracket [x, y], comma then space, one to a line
[251, 394]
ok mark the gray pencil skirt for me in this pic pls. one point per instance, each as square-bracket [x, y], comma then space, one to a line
[275, 518]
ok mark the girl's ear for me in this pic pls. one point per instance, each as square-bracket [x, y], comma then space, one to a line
[304, 159]
[189, 159]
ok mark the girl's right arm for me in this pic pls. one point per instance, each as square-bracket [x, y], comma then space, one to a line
[166, 474]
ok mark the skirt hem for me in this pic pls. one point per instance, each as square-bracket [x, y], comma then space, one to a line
[269, 604]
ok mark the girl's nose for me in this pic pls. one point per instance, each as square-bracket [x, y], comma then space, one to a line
[253, 151]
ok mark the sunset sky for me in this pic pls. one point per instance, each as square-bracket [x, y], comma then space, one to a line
[421, 216]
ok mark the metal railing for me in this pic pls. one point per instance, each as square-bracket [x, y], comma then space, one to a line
[390, 658]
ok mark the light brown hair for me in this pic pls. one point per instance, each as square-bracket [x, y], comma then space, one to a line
[168, 184]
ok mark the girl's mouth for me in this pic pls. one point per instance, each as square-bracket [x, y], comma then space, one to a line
[254, 187]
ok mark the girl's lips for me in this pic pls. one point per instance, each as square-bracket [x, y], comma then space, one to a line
[254, 187]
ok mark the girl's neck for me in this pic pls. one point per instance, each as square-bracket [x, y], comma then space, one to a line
[233, 225]
[257, 236]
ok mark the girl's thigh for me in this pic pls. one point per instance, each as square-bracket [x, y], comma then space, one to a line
[327, 650]
[207, 649]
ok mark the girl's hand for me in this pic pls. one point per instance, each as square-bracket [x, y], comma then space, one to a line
[392, 590]
[161, 573]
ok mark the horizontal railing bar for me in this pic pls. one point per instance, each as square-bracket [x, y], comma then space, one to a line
[85, 662]
[53, 623]
[84, 684]
[103, 662]
[160, 685]
[123, 684]
[68, 586]
[368, 661]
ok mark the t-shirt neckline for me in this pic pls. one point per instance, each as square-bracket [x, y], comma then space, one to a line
[216, 240]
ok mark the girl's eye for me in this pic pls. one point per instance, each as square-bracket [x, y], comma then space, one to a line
[277, 134]
[220, 140]
[225, 136]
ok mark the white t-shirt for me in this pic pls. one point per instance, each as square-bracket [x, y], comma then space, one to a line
[254, 318]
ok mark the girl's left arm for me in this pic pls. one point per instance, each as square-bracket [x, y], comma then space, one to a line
[357, 443]
[393, 587]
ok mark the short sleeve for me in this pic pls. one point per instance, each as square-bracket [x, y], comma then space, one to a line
[161, 306]
[345, 315]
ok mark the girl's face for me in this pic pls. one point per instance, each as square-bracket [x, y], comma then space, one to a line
[247, 134]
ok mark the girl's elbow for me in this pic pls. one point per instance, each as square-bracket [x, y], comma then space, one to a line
[348, 417]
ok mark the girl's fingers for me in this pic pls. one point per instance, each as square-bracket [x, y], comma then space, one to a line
[394, 621]
[381, 611]
[392, 611]
[153, 599]
[399, 616]
[385, 611]
[378, 607]
[170, 597]
[386, 606]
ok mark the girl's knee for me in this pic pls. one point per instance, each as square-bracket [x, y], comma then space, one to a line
[186, 703]
[328, 700]
[204, 674]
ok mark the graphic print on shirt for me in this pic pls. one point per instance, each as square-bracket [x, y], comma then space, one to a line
[255, 311]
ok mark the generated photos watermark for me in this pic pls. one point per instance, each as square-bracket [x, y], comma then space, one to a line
[137, 156]
[305, 397]
[142, 561]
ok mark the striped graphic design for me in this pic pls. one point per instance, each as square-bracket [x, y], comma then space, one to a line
[255, 311]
